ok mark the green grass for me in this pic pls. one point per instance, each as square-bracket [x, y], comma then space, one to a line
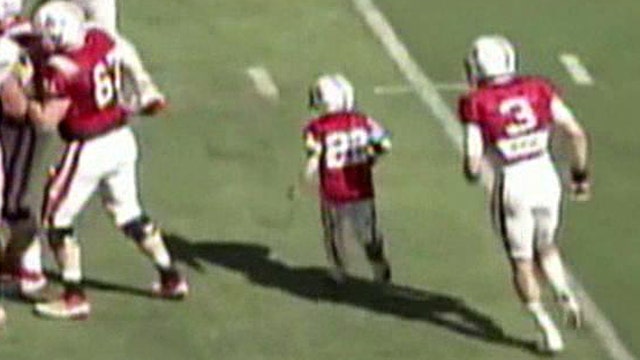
[216, 168]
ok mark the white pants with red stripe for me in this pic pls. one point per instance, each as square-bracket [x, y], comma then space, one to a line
[106, 163]
[526, 206]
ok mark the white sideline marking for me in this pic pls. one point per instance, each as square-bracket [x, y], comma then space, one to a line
[603, 329]
[263, 82]
[404, 89]
[576, 69]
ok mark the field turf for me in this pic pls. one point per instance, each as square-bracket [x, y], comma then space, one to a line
[216, 168]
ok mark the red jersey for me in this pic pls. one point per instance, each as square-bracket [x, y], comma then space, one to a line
[342, 141]
[90, 78]
[515, 117]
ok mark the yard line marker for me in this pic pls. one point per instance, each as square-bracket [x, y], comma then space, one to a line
[263, 82]
[426, 90]
[576, 69]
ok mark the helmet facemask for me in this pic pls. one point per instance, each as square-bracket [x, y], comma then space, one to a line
[61, 25]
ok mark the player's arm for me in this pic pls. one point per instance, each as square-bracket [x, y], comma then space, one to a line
[578, 140]
[473, 152]
[307, 176]
[313, 150]
[47, 114]
[379, 140]
[13, 98]
[473, 141]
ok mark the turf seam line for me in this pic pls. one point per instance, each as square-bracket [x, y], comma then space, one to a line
[427, 92]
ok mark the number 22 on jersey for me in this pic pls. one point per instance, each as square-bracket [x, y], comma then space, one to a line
[107, 81]
[344, 148]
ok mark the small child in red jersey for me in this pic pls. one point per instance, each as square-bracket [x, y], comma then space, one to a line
[342, 145]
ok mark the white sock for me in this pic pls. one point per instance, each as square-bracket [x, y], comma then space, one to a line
[554, 271]
[156, 249]
[32, 258]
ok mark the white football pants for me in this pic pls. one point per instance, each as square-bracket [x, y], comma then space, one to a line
[526, 205]
[106, 163]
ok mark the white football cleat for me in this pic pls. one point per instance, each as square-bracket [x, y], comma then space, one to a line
[552, 342]
[71, 306]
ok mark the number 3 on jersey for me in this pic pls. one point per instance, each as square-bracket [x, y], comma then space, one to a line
[520, 110]
[345, 148]
[106, 81]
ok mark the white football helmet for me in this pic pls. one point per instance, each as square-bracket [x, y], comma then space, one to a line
[61, 24]
[10, 9]
[332, 93]
[491, 56]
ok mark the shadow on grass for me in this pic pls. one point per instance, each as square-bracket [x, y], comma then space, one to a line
[255, 263]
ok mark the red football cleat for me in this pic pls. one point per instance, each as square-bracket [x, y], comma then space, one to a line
[174, 287]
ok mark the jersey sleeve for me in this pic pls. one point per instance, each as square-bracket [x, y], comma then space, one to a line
[467, 110]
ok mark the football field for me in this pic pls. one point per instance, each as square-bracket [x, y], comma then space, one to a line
[216, 167]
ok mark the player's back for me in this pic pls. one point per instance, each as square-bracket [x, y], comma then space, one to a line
[515, 118]
[90, 78]
[345, 165]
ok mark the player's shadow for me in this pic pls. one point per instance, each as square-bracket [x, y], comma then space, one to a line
[254, 261]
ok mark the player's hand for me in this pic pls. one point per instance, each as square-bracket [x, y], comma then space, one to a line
[580, 185]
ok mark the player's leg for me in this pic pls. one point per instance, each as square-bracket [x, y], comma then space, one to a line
[68, 190]
[516, 225]
[551, 263]
[120, 197]
[365, 225]
[333, 236]
[24, 248]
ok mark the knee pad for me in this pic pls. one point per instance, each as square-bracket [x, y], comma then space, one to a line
[375, 250]
[138, 229]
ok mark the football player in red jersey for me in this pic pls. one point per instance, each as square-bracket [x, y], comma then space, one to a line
[342, 146]
[509, 119]
[83, 78]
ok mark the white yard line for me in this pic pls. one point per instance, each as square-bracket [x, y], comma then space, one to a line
[576, 69]
[263, 82]
[426, 90]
